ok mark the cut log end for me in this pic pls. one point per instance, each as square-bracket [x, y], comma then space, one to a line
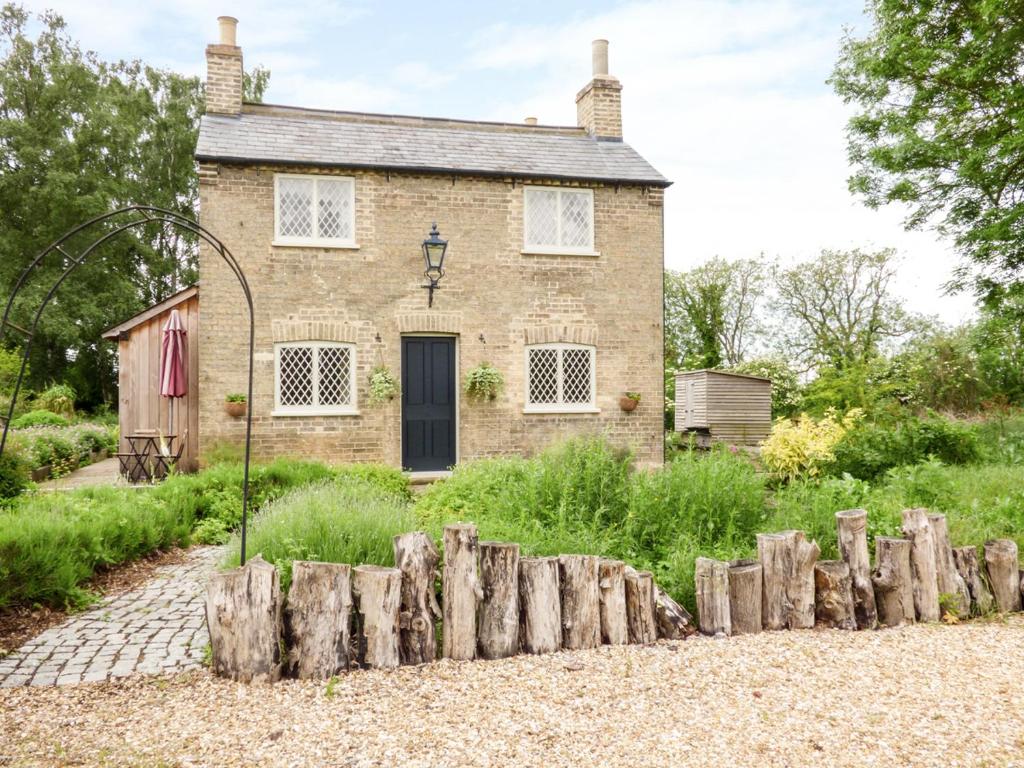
[540, 605]
[833, 594]
[745, 595]
[498, 616]
[1003, 573]
[243, 614]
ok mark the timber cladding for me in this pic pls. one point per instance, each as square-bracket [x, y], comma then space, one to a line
[733, 408]
[494, 299]
[140, 405]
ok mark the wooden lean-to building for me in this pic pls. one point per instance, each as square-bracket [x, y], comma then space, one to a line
[140, 405]
[721, 406]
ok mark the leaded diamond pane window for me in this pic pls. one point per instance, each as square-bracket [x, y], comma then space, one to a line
[559, 219]
[543, 375]
[294, 207]
[560, 377]
[315, 377]
[295, 373]
[576, 376]
[314, 210]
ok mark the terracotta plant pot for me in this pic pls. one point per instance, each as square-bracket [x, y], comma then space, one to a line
[235, 410]
[627, 403]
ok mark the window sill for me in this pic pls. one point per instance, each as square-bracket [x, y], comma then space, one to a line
[560, 411]
[327, 244]
[556, 252]
[314, 413]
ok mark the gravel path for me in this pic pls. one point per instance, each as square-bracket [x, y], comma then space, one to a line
[920, 696]
[160, 627]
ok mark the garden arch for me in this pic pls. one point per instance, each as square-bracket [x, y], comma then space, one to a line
[108, 226]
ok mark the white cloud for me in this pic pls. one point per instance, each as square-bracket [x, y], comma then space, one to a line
[728, 100]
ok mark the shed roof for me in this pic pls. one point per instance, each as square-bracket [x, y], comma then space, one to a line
[294, 136]
[148, 314]
[724, 373]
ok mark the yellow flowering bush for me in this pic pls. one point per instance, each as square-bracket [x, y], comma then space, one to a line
[803, 446]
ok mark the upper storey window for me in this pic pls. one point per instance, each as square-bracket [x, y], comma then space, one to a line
[314, 210]
[558, 220]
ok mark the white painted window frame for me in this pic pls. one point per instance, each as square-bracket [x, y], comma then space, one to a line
[561, 407]
[315, 241]
[558, 250]
[347, 409]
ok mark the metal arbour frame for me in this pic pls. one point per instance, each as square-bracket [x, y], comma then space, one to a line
[137, 215]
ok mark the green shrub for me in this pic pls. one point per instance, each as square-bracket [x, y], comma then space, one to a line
[51, 543]
[585, 497]
[348, 520]
[39, 419]
[871, 448]
[59, 398]
[14, 474]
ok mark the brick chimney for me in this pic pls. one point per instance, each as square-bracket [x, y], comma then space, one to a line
[599, 103]
[224, 71]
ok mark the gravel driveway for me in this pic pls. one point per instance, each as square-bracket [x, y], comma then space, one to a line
[921, 696]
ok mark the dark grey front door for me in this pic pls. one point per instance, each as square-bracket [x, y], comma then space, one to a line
[428, 403]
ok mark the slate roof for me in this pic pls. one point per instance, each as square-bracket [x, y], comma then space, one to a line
[300, 137]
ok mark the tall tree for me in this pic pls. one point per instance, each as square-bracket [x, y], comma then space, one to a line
[711, 312]
[80, 137]
[838, 308]
[939, 87]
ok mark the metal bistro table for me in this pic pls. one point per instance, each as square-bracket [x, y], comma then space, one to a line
[144, 461]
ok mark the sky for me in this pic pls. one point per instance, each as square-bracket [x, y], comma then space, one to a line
[727, 98]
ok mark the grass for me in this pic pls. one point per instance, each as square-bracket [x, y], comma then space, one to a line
[51, 544]
[581, 497]
[584, 497]
[344, 520]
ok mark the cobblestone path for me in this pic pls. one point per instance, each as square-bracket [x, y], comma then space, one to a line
[160, 627]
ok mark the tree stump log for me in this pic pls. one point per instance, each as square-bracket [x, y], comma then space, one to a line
[674, 621]
[949, 580]
[643, 628]
[745, 595]
[787, 560]
[918, 529]
[317, 619]
[712, 585]
[833, 594]
[378, 597]
[460, 591]
[498, 617]
[417, 558]
[614, 626]
[581, 601]
[540, 605]
[853, 548]
[243, 614]
[894, 581]
[1003, 573]
[970, 570]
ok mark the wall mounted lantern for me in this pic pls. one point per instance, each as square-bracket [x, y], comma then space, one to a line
[433, 254]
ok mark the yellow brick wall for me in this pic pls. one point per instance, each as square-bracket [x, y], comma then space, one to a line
[493, 298]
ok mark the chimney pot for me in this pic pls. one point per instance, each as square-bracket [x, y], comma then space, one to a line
[530, 121]
[599, 52]
[228, 25]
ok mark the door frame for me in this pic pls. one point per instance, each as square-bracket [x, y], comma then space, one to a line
[457, 388]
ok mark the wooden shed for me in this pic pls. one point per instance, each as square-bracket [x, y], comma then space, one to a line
[140, 406]
[720, 406]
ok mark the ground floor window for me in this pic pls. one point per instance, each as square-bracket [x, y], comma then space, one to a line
[314, 378]
[560, 377]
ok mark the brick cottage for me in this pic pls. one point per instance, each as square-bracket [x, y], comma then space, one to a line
[553, 276]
